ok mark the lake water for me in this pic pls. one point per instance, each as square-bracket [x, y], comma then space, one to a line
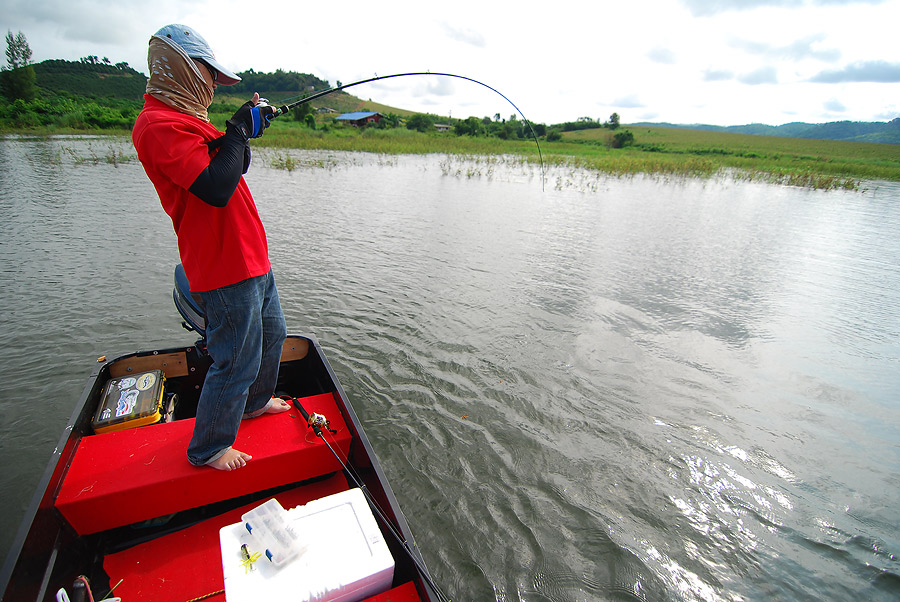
[605, 389]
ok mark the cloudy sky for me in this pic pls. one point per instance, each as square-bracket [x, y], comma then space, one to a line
[724, 62]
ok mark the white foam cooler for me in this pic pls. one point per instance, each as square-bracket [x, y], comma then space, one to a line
[346, 558]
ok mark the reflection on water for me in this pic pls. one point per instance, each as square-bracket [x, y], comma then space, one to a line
[610, 389]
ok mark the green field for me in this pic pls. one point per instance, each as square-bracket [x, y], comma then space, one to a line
[824, 163]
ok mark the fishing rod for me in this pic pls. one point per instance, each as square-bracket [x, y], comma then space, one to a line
[318, 423]
[282, 110]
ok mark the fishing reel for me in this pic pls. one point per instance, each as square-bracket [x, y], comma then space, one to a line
[318, 421]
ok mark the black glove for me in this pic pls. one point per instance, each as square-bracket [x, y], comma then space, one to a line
[250, 121]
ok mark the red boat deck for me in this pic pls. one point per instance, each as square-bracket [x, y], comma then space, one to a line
[113, 480]
[134, 475]
[129, 476]
[187, 564]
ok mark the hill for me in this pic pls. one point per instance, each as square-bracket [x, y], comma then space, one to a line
[849, 131]
[95, 79]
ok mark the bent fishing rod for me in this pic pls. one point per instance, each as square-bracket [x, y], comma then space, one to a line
[287, 107]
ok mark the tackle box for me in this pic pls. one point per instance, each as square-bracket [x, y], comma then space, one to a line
[131, 401]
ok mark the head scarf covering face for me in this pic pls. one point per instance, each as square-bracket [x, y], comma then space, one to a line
[176, 80]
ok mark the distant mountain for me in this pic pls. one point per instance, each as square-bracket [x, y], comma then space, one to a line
[854, 131]
[100, 78]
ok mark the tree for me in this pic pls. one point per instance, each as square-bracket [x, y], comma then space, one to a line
[613, 123]
[420, 122]
[391, 120]
[472, 126]
[18, 53]
[18, 75]
[300, 112]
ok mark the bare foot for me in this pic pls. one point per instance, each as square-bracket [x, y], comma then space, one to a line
[232, 459]
[277, 405]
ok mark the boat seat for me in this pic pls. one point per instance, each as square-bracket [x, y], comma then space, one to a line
[187, 303]
[134, 475]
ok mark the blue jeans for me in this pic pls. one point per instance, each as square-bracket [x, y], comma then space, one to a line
[245, 331]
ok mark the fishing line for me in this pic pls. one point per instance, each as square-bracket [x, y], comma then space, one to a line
[317, 422]
[287, 107]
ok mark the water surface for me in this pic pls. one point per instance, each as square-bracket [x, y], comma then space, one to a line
[606, 389]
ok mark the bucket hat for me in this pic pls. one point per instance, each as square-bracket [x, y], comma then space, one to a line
[197, 48]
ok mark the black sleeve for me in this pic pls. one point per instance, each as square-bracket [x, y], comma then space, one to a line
[218, 181]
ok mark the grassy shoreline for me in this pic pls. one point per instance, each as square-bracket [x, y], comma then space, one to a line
[817, 164]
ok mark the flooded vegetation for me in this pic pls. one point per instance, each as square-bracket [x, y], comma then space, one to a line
[583, 170]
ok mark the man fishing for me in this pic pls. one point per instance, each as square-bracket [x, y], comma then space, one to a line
[197, 173]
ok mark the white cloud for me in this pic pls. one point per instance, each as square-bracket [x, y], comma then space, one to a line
[717, 75]
[806, 47]
[703, 8]
[867, 71]
[763, 75]
[661, 55]
[628, 102]
[834, 106]
[464, 35]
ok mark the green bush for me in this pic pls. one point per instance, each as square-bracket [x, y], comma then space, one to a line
[622, 139]
[420, 122]
[69, 112]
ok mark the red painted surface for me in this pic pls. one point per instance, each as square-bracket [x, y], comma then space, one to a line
[188, 563]
[402, 593]
[133, 475]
